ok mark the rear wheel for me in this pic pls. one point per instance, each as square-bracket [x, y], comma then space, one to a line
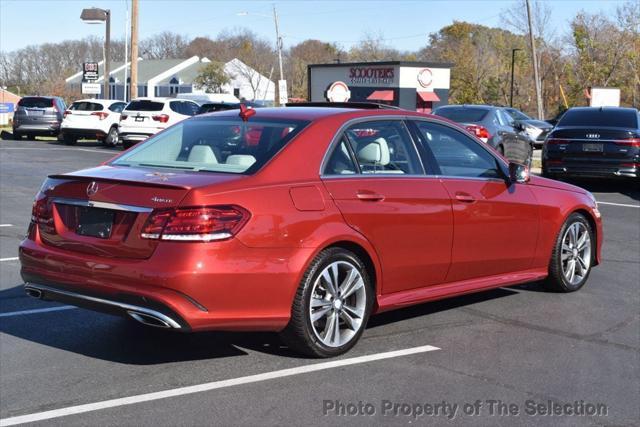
[70, 140]
[332, 305]
[17, 136]
[112, 137]
[572, 256]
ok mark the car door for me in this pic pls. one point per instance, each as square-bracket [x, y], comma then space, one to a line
[377, 181]
[495, 222]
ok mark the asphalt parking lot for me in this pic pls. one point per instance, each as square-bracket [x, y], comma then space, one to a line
[519, 346]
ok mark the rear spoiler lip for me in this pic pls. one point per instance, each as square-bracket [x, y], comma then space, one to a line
[89, 178]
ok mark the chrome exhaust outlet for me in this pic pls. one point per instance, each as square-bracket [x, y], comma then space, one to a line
[33, 292]
[148, 319]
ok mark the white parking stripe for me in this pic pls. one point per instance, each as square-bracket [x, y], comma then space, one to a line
[6, 225]
[36, 311]
[618, 204]
[113, 153]
[15, 258]
[79, 409]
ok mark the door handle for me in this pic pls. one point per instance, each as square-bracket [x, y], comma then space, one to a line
[464, 197]
[369, 197]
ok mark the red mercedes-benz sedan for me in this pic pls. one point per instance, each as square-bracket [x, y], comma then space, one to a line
[303, 220]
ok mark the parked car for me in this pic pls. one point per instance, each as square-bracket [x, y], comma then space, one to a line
[38, 116]
[302, 220]
[144, 117]
[555, 119]
[594, 142]
[494, 126]
[93, 119]
[212, 107]
[536, 130]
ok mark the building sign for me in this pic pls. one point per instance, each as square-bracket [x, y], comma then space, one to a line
[338, 92]
[6, 107]
[425, 77]
[91, 88]
[371, 75]
[89, 71]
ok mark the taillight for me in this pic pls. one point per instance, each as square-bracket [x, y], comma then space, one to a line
[556, 141]
[42, 213]
[123, 117]
[479, 131]
[66, 113]
[162, 118]
[101, 114]
[202, 224]
[631, 142]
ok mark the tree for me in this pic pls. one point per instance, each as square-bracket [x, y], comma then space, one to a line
[303, 54]
[212, 77]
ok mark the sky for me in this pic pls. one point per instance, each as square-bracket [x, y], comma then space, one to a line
[403, 25]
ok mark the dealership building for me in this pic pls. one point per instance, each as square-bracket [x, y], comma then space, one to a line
[420, 86]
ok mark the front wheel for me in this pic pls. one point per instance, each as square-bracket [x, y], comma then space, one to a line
[572, 256]
[70, 140]
[332, 305]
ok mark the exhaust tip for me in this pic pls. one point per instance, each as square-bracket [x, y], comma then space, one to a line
[148, 319]
[33, 292]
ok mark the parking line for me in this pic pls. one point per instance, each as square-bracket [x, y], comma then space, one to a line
[15, 258]
[618, 204]
[113, 153]
[6, 225]
[36, 311]
[112, 403]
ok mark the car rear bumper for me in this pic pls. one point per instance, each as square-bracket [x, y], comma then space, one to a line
[134, 136]
[83, 133]
[592, 170]
[201, 286]
[40, 129]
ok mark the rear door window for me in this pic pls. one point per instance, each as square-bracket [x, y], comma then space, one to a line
[341, 161]
[145, 105]
[384, 147]
[176, 107]
[117, 107]
[190, 108]
[456, 154]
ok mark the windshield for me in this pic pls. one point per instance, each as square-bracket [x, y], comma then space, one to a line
[517, 115]
[463, 114]
[214, 145]
[623, 118]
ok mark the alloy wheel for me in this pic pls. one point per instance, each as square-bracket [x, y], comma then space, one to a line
[338, 304]
[575, 254]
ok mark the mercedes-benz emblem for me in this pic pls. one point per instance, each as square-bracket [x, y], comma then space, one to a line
[92, 188]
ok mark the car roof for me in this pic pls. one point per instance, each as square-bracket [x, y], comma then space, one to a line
[476, 106]
[629, 109]
[315, 113]
[99, 101]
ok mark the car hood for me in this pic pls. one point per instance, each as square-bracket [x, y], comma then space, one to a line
[539, 181]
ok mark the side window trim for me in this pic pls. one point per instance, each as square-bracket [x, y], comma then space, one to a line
[429, 163]
[344, 139]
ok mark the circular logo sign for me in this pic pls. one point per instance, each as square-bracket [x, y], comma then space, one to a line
[338, 92]
[92, 188]
[425, 77]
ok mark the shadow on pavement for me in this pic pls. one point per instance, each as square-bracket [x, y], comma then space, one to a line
[628, 187]
[125, 341]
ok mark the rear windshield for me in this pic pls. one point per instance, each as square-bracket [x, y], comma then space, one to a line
[214, 145]
[145, 105]
[463, 114]
[517, 114]
[35, 102]
[600, 117]
[86, 106]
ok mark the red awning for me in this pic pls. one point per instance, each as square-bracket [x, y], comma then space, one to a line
[381, 95]
[428, 96]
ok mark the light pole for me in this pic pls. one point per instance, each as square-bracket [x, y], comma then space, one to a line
[95, 15]
[278, 41]
[513, 60]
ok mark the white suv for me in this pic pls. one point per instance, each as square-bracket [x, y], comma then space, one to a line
[144, 117]
[92, 119]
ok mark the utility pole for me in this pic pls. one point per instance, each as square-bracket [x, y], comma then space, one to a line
[126, 53]
[107, 55]
[535, 64]
[133, 87]
[513, 61]
[279, 47]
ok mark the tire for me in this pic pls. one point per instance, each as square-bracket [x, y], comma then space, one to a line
[17, 136]
[318, 338]
[126, 144]
[111, 140]
[575, 251]
[70, 140]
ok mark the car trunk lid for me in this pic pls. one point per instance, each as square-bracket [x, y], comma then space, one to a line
[579, 143]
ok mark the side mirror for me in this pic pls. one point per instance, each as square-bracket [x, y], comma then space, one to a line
[518, 173]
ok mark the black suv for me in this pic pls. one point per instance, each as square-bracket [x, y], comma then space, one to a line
[38, 116]
[594, 142]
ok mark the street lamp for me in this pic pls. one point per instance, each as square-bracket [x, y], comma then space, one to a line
[278, 39]
[95, 15]
[513, 60]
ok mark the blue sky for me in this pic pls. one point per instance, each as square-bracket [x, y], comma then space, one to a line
[404, 24]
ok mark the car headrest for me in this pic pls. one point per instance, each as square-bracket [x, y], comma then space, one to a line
[202, 154]
[375, 152]
[241, 160]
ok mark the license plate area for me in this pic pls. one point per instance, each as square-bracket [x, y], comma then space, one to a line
[94, 222]
[139, 119]
[592, 148]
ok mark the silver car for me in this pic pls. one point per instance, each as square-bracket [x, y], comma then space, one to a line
[38, 116]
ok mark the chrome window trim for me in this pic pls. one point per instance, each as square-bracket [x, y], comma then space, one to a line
[101, 205]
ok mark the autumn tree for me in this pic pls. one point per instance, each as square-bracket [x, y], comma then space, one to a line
[300, 56]
[212, 77]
